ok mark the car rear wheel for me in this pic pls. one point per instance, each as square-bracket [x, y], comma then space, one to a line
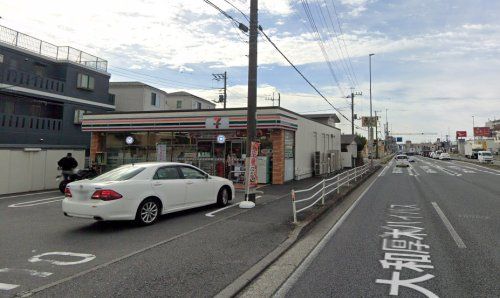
[223, 197]
[148, 212]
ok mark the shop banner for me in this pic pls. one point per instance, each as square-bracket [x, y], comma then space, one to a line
[161, 152]
[253, 164]
[482, 132]
[461, 134]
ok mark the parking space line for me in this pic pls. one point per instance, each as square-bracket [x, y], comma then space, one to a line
[460, 243]
[36, 202]
[211, 214]
[27, 194]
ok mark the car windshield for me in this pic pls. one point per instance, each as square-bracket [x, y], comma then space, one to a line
[119, 174]
[402, 157]
[486, 154]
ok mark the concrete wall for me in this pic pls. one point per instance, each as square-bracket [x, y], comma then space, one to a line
[352, 151]
[32, 171]
[312, 136]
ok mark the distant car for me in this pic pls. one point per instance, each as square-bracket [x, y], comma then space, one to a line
[444, 156]
[402, 160]
[144, 191]
[484, 156]
[411, 159]
[437, 154]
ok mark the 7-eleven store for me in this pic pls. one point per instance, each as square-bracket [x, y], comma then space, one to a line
[214, 140]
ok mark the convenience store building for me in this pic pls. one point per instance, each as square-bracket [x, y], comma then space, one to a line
[292, 146]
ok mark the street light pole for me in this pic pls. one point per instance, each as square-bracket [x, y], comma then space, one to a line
[370, 132]
[473, 135]
[252, 91]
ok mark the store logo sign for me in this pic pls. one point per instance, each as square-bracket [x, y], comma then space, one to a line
[221, 139]
[217, 122]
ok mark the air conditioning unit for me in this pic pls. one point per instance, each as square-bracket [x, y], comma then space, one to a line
[317, 163]
[78, 116]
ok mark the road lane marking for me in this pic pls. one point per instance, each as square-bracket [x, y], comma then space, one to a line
[479, 166]
[385, 169]
[428, 170]
[211, 214]
[460, 243]
[84, 258]
[28, 271]
[27, 194]
[292, 279]
[397, 170]
[37, 202]
[7, 287]
[491, 171]
[436, 166]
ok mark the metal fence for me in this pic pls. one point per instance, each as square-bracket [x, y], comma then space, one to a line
[43, 48]
[322, 189]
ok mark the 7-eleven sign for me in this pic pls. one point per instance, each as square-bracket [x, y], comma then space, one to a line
[217, 122]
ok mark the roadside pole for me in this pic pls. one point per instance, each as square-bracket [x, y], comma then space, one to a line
[252, 95]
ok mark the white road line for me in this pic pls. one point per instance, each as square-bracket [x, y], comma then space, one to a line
[211, 214]
[7, 287]
[292, 279]
[37, 202]
[409, 171]
[27, 271]
[27, 194]
[448, 225]
[491, 171]
[479, 166]
[397, 170]
[387, 166]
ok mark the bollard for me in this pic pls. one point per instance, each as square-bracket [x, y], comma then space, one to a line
[338, 183]
[355, 174]
[293, 207]
[348, 178]
[323, 195]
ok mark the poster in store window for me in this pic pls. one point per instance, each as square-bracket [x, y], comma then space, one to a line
[161, 152]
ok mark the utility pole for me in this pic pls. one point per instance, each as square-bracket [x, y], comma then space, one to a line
[370, 131]
[252, 90]
[352, 108]
[218, 77]
[275, 99]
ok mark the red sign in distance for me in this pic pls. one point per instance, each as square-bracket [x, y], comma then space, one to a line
[461, 133]
[482, 131]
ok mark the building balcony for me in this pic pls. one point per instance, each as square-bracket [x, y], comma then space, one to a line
[24, 122]
[59, 53]
[16, 78]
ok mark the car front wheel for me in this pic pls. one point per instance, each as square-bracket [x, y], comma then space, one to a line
[223, 197]
[148, 212]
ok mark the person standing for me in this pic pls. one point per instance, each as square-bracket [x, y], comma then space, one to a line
[67, 164]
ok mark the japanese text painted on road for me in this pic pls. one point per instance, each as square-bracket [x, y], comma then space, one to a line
[405, 252]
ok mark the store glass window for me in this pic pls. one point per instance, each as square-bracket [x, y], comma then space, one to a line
[289, 144]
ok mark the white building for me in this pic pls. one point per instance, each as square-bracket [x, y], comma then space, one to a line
[137, 96]
[182, 100]
[349, 150]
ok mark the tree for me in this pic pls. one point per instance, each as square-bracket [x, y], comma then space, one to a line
[360, 141]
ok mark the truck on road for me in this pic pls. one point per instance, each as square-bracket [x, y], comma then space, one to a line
[472, 149]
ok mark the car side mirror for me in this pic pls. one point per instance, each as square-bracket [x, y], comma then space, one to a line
[207, 176]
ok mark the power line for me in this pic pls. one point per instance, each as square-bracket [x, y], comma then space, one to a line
[242, 13]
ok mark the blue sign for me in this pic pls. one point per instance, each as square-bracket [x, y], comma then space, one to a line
[399, 139]
[221, 139]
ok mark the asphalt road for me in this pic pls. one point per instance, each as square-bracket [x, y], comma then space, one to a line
[430, 230]
[186, 254]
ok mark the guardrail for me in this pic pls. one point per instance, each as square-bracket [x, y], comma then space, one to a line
[325, 187]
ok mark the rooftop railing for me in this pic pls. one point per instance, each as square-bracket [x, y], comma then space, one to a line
[46, 49]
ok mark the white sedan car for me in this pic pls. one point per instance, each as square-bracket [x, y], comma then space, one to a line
[402, 160]
[144, 191]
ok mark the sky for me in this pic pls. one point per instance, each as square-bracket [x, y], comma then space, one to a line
[435, 64]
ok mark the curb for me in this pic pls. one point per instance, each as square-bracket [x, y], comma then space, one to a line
[254, 272]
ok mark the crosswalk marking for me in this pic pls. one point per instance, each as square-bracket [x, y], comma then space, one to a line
[397, 170]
